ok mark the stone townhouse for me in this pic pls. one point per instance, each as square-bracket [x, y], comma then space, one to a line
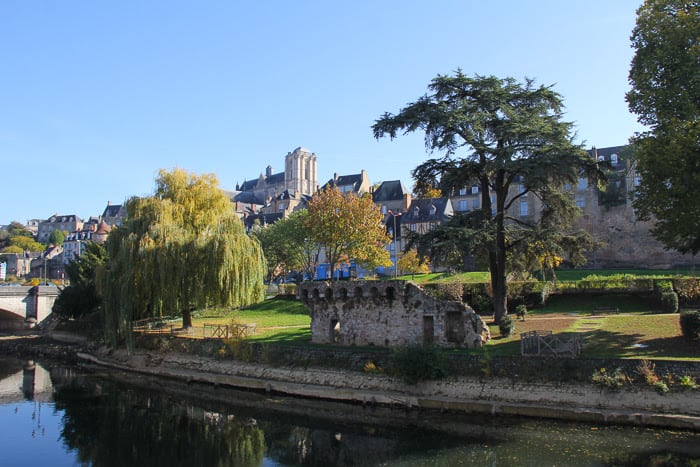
[67, 223]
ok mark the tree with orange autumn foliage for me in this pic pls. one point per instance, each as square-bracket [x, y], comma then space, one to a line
[348, 227]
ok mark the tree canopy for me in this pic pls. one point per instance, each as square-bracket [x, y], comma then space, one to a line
[80, 297]
[507, 138]
[180, 249]
[665, 95]
[57, 237]
[287, 246]
[347, 227]
[17, 239]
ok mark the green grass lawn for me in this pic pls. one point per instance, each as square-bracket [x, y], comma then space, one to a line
[271, 313]
[637, 331]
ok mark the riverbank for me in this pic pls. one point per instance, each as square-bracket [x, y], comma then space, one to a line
[633, 405]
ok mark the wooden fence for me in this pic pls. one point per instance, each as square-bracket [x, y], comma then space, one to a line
[545, 343]
[206, 331]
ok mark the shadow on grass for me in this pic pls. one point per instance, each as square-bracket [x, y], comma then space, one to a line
[299, 336]
[586, 304]
[600, 343]
[672, 347]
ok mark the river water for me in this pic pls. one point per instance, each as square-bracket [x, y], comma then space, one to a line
[57, 415]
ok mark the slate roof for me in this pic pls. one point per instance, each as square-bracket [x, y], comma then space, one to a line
[389, 191]
[605, 153]
[273, 179]
[248, 197]
[421, 210]
[112, 210]
[346, 180]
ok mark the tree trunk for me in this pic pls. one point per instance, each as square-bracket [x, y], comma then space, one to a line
[498, 273]
[186, 318]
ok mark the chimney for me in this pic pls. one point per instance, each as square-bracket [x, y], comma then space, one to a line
[406, 201]
[268, 171]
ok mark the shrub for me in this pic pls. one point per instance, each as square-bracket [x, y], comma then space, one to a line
[482, 304]
[506, 326]
[690, 323]
[612, 381]
[688, 382]
[688, 290]
[446, 291]
[521, 311]
[669, 302]
[419, 363]
[647, 371]
[660, 387]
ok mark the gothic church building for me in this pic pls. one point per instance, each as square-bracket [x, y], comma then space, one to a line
[299, 178]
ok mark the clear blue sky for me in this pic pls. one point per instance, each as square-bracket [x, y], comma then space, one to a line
[96, 97]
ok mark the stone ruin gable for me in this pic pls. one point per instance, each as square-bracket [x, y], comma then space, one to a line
[388, 314]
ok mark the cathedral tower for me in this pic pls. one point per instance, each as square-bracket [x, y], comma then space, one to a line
[300, 171]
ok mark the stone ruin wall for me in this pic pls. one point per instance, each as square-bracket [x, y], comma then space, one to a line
[623, 241]
[388, 314]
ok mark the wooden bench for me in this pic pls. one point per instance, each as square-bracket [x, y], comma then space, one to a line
[606, 309]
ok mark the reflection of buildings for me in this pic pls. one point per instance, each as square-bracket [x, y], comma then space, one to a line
[31, 382]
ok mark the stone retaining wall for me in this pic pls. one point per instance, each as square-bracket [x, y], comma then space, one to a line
[585, 402]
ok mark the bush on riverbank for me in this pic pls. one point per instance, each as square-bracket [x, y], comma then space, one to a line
[417, 363]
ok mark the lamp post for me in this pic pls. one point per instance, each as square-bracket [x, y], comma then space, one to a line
[396, 252]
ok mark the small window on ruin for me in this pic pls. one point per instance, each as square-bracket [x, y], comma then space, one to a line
[358, 292]
[316, 294]
[335, 331]
[329, 293]
[305, 294]
[390, 293]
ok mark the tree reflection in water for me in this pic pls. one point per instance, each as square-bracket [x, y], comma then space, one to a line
[112, 426]
[110, 423]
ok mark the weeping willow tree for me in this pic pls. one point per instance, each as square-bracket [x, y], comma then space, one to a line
[182, 248]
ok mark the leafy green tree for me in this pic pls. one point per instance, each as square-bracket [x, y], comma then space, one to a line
[347, 227]
[56, 237]
[411, 263]
[288, 246]
[665, 95]
[17, 239]
[182, 248]
[81, 297]
[27, 243]
[496, 134]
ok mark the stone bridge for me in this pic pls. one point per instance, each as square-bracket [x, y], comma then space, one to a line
[388, 314]
[23, 307]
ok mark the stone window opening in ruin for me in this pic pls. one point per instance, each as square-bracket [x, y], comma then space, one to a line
[358, 292]
[390, 293]
[316, 294]
[335, 331]
[428, 330]
[329, 293]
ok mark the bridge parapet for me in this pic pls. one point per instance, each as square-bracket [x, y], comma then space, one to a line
[23, 306]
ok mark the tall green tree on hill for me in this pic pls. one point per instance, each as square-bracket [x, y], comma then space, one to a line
[180, 249]
[496, 134]
[665, 95]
